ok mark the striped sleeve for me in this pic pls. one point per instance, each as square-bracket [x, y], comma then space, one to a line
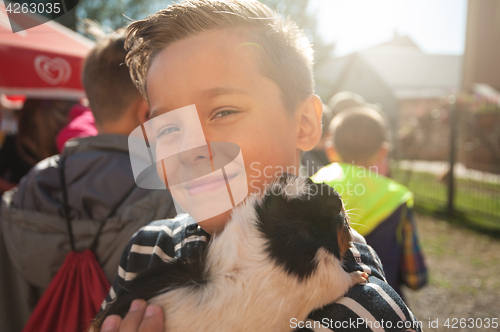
[157, 243]
[373, 306]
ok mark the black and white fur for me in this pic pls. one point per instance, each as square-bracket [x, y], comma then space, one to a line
[278, 258]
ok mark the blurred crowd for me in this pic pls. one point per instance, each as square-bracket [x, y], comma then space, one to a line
[65, 168]
[34, 129]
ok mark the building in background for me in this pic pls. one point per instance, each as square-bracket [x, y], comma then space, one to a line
[409, 84]
[396, 74]
[482, 45]
[481, 79]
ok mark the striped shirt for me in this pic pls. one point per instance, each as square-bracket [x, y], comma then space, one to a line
[374, 306]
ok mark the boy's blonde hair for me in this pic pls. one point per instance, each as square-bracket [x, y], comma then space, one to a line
[287, 53]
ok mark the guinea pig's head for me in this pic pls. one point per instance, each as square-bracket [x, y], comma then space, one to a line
[298, 217]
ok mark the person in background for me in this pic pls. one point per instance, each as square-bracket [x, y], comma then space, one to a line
[316, 158]
[100, 188]
[345, 99]
[81, 124]
[39, 122]
[9, 107]
[380, 208]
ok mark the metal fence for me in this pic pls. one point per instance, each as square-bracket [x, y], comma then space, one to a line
[450, 159]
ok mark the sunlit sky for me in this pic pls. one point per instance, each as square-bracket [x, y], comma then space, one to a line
[436, 26]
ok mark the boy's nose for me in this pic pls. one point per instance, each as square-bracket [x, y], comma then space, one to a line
[196, 155]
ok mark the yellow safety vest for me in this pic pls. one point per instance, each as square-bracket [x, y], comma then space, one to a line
[369, 198]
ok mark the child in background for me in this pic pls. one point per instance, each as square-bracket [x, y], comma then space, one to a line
[380, 208]
[316, 159]
[99, 184]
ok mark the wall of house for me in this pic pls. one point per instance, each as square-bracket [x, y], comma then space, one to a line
[364, 81]
[482, 47]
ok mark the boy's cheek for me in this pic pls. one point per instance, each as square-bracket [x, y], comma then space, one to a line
[160, 170]
[259, 175]
[254, 186]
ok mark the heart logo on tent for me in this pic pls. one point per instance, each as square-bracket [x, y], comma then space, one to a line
[53, 71]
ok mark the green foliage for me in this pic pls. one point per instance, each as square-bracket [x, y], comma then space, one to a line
[116, 13]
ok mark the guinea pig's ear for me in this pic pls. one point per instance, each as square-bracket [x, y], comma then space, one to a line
[324, 196]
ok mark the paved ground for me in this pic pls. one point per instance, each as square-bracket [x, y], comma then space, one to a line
[464, 277]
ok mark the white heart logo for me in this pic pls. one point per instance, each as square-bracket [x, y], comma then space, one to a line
[53, 71]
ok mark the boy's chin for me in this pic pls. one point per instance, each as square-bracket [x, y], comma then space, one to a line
[215, 224]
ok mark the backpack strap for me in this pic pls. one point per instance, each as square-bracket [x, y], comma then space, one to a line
[65, 203]
[95, 242]
[67, 209]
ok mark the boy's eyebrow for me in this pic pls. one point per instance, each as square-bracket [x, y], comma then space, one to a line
[211, 93]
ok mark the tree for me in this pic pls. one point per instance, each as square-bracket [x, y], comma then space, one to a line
[114, 13]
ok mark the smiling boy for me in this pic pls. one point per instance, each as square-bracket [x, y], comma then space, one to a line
[249, 74]
[235, 103]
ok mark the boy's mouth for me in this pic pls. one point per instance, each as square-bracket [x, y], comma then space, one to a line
[195, 187]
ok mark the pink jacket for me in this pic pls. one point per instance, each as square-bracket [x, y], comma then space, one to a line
[81, 124]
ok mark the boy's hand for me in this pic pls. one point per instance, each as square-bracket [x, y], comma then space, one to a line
[140, 318]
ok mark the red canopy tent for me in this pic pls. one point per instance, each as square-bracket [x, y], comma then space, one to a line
[41, 62]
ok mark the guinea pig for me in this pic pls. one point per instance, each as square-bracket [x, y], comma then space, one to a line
[279, 257]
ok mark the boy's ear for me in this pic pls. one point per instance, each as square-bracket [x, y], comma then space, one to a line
[309, 116]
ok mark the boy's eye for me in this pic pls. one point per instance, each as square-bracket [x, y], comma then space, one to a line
[223, 113]
[167, 130]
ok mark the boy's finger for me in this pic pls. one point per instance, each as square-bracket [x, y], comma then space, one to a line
[133, 319]
[153, 320]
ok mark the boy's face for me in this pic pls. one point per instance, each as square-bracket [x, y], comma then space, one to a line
[217, 72]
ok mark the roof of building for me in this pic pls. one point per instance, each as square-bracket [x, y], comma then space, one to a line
[405, 69]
